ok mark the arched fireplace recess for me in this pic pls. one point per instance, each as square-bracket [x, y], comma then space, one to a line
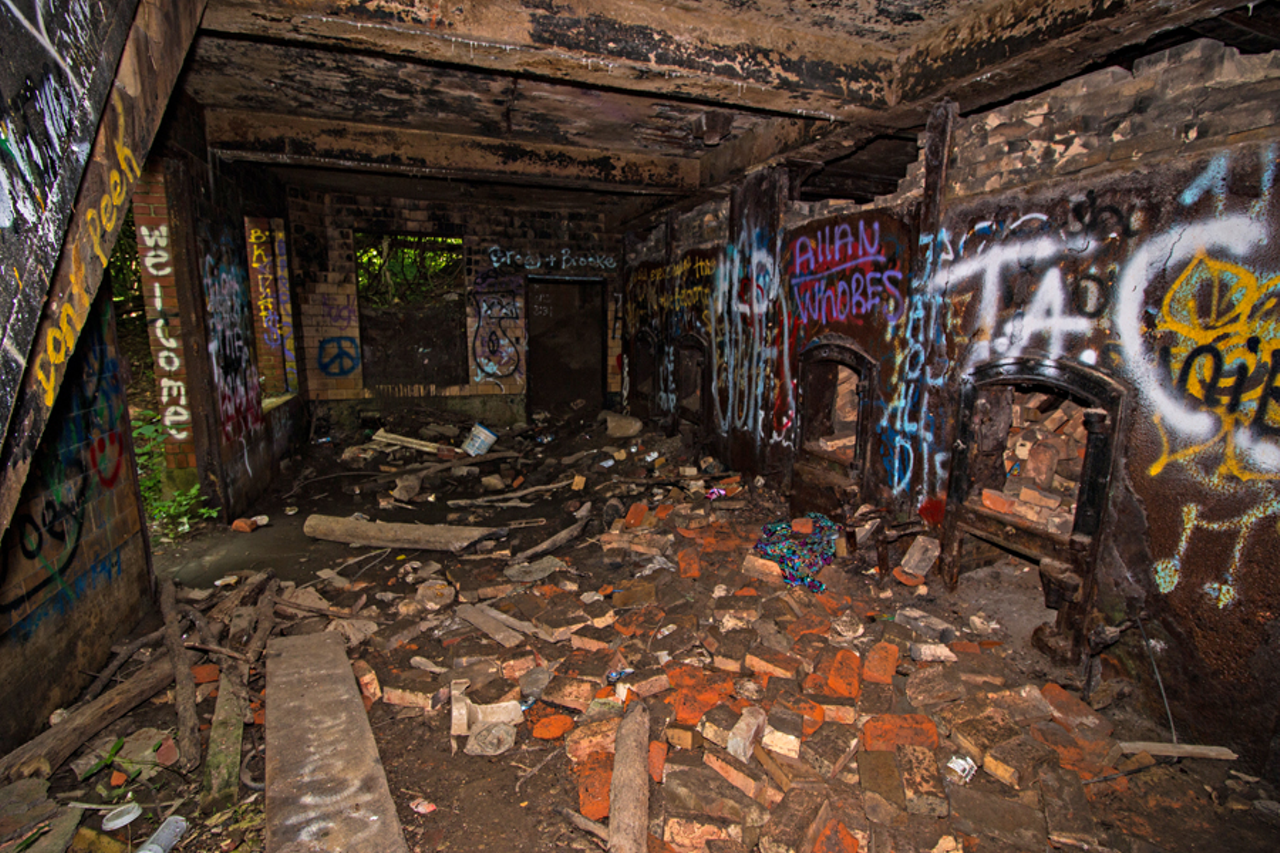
[834, 405]
[644, 375]
[1031, 470]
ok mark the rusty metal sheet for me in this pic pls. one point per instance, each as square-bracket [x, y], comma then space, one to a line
[326, 789]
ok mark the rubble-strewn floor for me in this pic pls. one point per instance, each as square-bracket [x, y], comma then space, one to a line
[782, 719]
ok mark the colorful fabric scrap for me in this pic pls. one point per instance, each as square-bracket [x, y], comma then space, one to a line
[800, 556]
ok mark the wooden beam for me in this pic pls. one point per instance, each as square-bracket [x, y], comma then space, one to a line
[293, 140]
[1018, 46]
[740, 59]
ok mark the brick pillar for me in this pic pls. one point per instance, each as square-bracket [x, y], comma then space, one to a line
[151, 219]
[260, 240]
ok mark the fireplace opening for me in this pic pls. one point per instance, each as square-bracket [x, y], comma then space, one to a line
[690, 380]
[1031, 468]
[834, 409]
[1028, 455]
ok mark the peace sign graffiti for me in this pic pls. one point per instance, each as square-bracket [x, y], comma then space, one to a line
[338, 356]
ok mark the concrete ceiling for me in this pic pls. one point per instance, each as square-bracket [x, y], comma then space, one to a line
[639, 105]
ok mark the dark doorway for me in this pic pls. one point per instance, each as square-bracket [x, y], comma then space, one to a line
[566, 325]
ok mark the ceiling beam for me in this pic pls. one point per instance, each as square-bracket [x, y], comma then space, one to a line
[655, 49]
[293, 140]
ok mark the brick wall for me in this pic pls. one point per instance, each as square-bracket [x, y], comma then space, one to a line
[74, 569]
[500, 245]
[155, 253]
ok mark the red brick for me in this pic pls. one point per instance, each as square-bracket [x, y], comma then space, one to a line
[762, 659]
[996, 501]
[690, 563]
[810, 623]
[595, 774]
[967, 647]
[835, 837]
[837, 673]
[553, 727]
[881, 663]
[803, 526]
[205, 673]
[810, 712]
[1073, 714]
[635, 515]
[883, 733]
[657, 759]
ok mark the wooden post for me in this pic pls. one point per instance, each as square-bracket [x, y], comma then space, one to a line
[629, 790]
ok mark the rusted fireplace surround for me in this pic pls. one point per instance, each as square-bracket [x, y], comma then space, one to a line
[1031, 470]
[836, 387]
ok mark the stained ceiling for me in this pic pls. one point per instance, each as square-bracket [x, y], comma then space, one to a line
[639, 106]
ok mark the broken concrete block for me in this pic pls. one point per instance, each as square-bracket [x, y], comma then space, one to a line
[1017, 761]
[921, 781]
[979, 734]
[794, 825]
[925, 625]
[922, 555]
[746, 732]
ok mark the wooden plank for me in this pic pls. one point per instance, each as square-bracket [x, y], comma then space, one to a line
[326, 789]
[485, 622]
[629, 788]
[427, 537]
[405, 441]
[1177, 750]
[47, 751]
[222, 761]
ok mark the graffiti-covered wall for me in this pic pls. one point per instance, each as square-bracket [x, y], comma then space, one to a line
[501, 247]
[73, 569]
[1123, 225]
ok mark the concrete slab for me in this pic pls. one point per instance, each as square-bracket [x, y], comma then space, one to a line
[326, 789]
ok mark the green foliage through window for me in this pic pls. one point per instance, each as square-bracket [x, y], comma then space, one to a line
[406, 269]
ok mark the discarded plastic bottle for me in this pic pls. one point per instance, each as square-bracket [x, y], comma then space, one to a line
[163, 839]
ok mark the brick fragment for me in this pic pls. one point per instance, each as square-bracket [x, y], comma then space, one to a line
[657, 759]
[553, 727]
[881, 663]
[885, 732]
[591, 738]
[794, 825]
[745, 777]
[595, 774]
[1017, 761]
[570, 692]
[1072, 713]
[979, 734]
[691, 833]
[635, 515]
[762, 659]
[882, 792]
[835, 837]
[921, 781]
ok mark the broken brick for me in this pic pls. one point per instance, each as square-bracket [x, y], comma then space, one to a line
[657, 759]
[762, 659]
[794, 825]
[921, 781]
[836, 673]
[886, 732]
[207, 673]
[835, 837]
[591, 738]
[881, 664]
[635, 515]
[569, 692]
[553, 727]
[595, 774]
[1074, 714]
